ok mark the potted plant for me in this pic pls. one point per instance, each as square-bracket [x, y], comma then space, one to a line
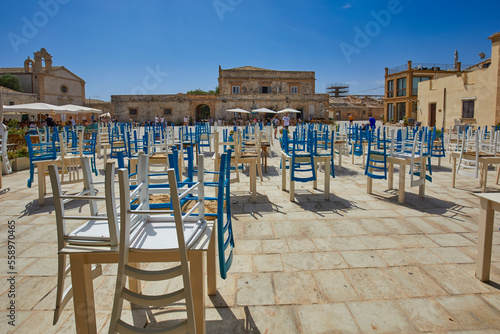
[405, 121]
[19, 158]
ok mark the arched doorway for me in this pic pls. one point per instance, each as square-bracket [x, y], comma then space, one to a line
[202, 113]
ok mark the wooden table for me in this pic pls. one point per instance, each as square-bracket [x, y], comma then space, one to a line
[252, 161]
[402, 162]
[489, 203]
[264, 147]
[42, 167]
[81, 260]
[317, 159]
[484, 161]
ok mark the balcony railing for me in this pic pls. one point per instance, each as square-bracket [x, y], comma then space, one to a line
[425, 67]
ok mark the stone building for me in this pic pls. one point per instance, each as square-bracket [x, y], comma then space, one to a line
[469, 96]
[52, 84]
[360, 107]
[11, 97]
[401, 87]
[245, 87]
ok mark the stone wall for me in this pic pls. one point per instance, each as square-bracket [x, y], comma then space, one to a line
[148, 106]
[10, 97]
[250, 79]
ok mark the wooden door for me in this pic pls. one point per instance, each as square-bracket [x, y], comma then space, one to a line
[432, 114]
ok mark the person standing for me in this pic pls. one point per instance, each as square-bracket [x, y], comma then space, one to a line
[72, 120]
[49, 121]
[372, 121]
[186, 120]
[351, 119]
[286, 122]
[276, 123]
[162, 121]
[157, 120]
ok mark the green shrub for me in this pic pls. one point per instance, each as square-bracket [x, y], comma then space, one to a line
[12, 82]
[22, 151]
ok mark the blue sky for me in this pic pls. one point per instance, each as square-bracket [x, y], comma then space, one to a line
[172, 46]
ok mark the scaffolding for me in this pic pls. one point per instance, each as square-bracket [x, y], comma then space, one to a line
[337, 90]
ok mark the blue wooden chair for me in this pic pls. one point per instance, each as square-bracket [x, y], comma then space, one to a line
[302, 160]
[88, 149]
[40, 152]
[376, 161]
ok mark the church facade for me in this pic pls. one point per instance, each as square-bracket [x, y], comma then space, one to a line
[51, 84]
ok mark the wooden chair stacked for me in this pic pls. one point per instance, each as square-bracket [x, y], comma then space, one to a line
[97, 229]
[3, 151]
[170, 231]
[43, 151]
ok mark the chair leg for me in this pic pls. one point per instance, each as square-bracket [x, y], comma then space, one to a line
[259, 165]
[61, 275]
[32, 174]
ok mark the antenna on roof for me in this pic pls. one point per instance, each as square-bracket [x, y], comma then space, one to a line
[482, 55]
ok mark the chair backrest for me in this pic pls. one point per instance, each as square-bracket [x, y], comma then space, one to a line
[224, 223]
[468, 162]
[4, 133]
[149, 232]
[97, 229]
[41, 151]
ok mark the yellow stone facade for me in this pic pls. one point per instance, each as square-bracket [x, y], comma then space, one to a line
[478, 86]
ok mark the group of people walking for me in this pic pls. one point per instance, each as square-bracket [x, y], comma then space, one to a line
[276, 122]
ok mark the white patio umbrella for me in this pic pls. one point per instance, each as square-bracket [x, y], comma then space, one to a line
[105, 115]
[242, 111]
[35, 108]
[288, 110]
[81, 109]
[264, 110]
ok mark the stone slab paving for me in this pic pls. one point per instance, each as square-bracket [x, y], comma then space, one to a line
[357, 263]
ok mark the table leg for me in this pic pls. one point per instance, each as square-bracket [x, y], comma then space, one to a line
[390, 178]
[105, 155]
[485, 240]
[283, 172]
[484, 177]
[498, 173]
[40, 168]
[212, 264]
[253, 180]
[402, 176]
[198, 289]
[327, 179]
[421, 188]
[83, 295]
[454, 172]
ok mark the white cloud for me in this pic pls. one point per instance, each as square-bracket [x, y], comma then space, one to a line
[347, 5]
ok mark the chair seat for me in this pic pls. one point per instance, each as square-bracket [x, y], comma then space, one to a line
[249, 155]
[158, 235]
[481, 154]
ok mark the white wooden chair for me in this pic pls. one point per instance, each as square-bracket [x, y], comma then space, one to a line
[468, 163]
[247, 153]
[3, 150]
[97, 230]
[218, 152]
[412, 149]
[168, 230]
